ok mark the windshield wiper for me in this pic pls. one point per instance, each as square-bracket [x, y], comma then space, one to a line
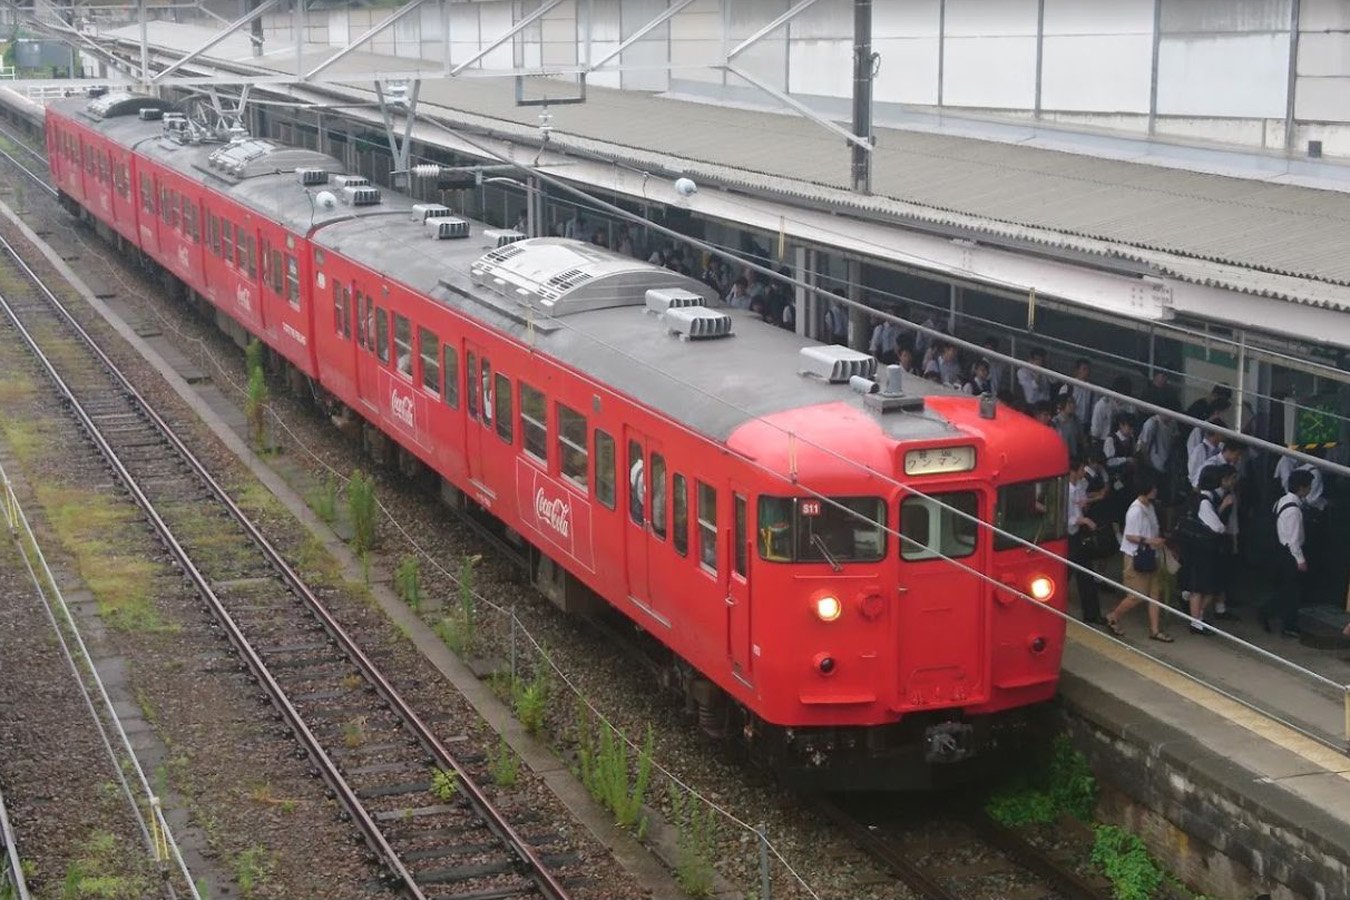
[819, 544]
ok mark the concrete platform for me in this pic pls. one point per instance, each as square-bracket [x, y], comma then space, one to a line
[1240, 803]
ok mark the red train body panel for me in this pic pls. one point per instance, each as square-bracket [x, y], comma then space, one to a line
[752, 542]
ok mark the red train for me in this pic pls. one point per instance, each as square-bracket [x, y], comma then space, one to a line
[710, 477]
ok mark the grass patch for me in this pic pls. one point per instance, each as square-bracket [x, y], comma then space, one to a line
[122, 580]
[251, 868]
[1064, 785]
[98, 872]
[1127, 863]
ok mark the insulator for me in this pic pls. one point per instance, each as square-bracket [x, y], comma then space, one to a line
[426, 170]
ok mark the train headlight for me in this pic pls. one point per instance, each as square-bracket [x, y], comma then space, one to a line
[1042, 588]
[828, 608]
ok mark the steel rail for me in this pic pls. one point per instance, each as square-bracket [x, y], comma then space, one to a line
[1030, 857]
[14, 870]
[544, 880]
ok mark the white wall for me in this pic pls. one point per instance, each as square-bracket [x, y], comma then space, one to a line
[1222, 65]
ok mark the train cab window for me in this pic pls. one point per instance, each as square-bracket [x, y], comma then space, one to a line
[403, 344]
[471, 385]
[293, 284]
[679, 501]
[429, 349]
[450, 375]
[813, 529]
[382, 335]
[502, 406]
[604, 468]
[534, 422]
[637, 484]
[1035, 511]
[573, 456]
[707, 526]
[658, 481]
[931, 531]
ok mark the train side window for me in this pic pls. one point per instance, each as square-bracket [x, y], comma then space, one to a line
[429, 348]
[534, 422]
[362, 320]
[502, 407]
[930, 531]
[739, 554]
[250, 256]
[707, 526]
[471, 385]
[339, 309]
[450, 371]
[147, 195]
[658, 480]
[227, 242]
[604, 468]
[679, 496]
[293, 285]
[403, 344]
[573, 454]
[239, 247]
[382, 334]
[637, 486]
[164, 204]
[213, 233]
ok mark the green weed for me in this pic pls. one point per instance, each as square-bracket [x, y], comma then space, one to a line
[1127, 863]
[504, 767]
[444, 784]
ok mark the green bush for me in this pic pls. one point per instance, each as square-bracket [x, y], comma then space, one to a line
[362, 508]
[696, 838]
[408, 582]
[504, 767]
[531, 701]
[1127, 863]
[1064, 785]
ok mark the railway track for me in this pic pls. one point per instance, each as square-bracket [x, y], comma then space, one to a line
[428, 823]
[963, 854]
[12, 882]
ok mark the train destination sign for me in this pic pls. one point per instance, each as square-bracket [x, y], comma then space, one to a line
[939, 460]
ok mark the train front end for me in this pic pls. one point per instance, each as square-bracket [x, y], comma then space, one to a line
[909, 591]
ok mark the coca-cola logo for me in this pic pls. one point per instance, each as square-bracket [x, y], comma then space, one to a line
[401, 405]
[555, 513]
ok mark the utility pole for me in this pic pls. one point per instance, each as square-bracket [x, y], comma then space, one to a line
[864, 67]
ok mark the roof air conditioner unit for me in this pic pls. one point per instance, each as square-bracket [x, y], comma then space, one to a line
[150, 115]
[694, 323]
[836, 364]
[346, 181]
[311, 176]
[423, 211]
[446, 228]
[500, 237]
[362, 196]
[661, 299]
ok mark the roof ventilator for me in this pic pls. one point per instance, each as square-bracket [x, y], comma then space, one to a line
[500, 237]
[661, 299]
[445, 228]
[361, 196]
[886, 394]
[309, 176]
[836, 364]
[346, 181]
[423, 211]
[696, 323]
[150, 115]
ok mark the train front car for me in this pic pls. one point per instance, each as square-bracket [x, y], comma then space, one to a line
[894, 644]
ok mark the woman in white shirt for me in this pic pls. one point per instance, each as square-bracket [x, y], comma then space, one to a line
[1141, 530]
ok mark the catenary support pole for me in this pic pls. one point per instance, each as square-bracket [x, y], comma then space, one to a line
[864, 64]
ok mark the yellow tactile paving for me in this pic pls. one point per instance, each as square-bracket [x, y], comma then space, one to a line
[1282, 736]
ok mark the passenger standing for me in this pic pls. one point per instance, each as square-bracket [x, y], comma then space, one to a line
[1081, 529]
[1161, 393]
[1142, 547]
[998, 371]
[1201, 576]
[1035, 387]
[739, 295]
[1208, 448]
[1106, 410]
[1066, 422]
[980, 382]
[1082, 396]
[949, 365]
[1293, 566]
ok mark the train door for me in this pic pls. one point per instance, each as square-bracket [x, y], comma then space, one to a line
[478, 400]
[943, 637]
[738, 588]
[637, 548]
[367, 360]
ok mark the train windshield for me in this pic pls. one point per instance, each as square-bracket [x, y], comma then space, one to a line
[833, 529]
[1035, 511]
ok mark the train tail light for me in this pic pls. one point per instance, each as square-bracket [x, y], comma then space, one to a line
[1041, 588]
[828, 608]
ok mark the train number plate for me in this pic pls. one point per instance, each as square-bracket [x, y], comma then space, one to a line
[937, 460]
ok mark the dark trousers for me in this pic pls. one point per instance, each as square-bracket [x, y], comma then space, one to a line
[1081, 554]
[1290, 587]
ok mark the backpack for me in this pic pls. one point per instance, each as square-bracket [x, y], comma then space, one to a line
[1268, 548]
[1191, 536]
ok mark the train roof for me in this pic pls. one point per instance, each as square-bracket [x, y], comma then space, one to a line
[581, 304]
